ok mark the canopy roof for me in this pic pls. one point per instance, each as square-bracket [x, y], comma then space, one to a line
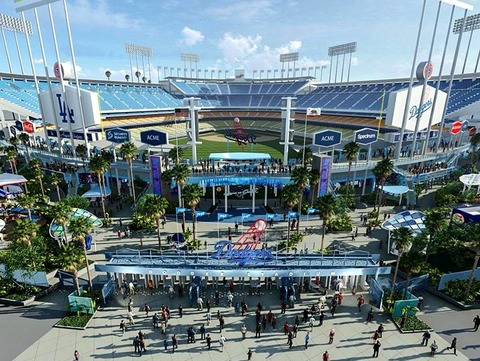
[410, 219]
[470, 179]
[239, 156]
[7, 179]
[57, 231]
[95, 192]
[395, 189]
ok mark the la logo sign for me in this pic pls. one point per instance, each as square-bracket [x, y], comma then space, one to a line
[327, 138]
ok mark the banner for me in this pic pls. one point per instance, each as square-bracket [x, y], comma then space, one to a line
[201, 214]
[270, 216]
[246, 215]
[292, 214]
[312, 210]
[179, 210]
[222, 216]
[156, 166]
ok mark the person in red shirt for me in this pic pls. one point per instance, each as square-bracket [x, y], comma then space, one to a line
[326, 356]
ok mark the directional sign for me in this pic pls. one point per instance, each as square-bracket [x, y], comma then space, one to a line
[465, 126]
[472, 131]
[366, 136]
[327, 138]
[117, 135]
[154, 137]
[28, 127]
[456, 127]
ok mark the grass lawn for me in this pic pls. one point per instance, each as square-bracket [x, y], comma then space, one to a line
[271, 147]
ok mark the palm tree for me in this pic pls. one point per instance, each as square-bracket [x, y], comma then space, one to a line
[55, 180]
[474, 141]
[15, 142]
[314, 181]
[191, 195]
[382, 171]
[25, 231]
[25, 139]
[290, 195]
[307, 155]
[472, 235]
[129, 151]
[434, 222]
[180, 174]
[79, 228]
[82, 152]
[27, 202]
[98, 165]
[154, 206]
[60, 213]
[402, 238]
[176, 154]
[36, 164]
[69, 259]
[12, 155]
[411, 263]
[351, 152]
[301, 178]
[326, 205]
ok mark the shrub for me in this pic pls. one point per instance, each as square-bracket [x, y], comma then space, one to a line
[456, 289]
[341, 223]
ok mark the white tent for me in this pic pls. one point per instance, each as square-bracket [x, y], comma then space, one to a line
[95, 192]
[7, 179]
[470, 180]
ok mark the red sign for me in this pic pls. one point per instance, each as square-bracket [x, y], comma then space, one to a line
[28, 127]
[456, 127]
[472, 131]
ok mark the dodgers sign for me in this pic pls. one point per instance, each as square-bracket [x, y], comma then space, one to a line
[117, 135]
[154, 137]
[366, 136]
[327, 138]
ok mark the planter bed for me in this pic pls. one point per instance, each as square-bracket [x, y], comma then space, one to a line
[411, 319]
[75, 322]
[29, 300]
[453, 301]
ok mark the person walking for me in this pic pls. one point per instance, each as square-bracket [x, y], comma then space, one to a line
[222, 342]
[76, 355]
[180, 311]
[453, 346]
[321, 318]
[331, 335]
[370, 315]
[326, 356]
[146, 308]
[165, 344]
[243, 330]
[376, 348]
[290, 339]
[221, 321]
[123, 326]
[311, 323]
[249, 354]
[433, 348]
[380, 330]
[476, 323]
[307, 339]
[202, 332]
[209, 341]
[200, 304]
[360, 302]
[258, 329]
[174, 343]
[425, 338]
[136, 344]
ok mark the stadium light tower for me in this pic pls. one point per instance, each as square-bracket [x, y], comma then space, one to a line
[288, 58]
[337, 50]
[143, 51]
[472, 23]
[14, 25]
[190, 58]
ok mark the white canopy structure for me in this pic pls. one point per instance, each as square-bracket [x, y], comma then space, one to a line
[470, 180]
[7, 179]
[397, 191]
[95, 192]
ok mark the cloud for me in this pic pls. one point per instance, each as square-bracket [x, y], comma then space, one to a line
[243, 11]
[38, 61]
[191, 36]
[100, 14]
[237, 48]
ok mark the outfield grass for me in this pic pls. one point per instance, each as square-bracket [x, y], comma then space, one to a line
[203, 150]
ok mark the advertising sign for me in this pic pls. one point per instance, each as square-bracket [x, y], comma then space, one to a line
[472, 131]
[18, 125]
[456, 127]
[325, 166]
[66, 112]
[65, 134]
[156, 165]
[117, 135]
[366, 136]
[465, 126]
[408, 136]
[28, 127]
[154, 137]
[327, 138]
[396, 108]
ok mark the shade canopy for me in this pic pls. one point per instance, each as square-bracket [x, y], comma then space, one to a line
[7, 179]
[239, 156]
[395, 190]
[95, 192]
[56, 230]
[413, 220]
[470, 179]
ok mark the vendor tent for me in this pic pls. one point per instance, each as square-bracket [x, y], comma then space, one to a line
[7, 179]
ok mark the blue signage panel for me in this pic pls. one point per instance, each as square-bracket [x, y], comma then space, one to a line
[156, 165]
[366, 136]
[154, 137]
[325, 167]
[408, 136]
[465, 126]
[117, 135]
[66, 134]
[327, 138]
[18, 125]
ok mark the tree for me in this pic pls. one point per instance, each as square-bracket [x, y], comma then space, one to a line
[351, 152]
[25, 139]
[36, 164]
[290, 195]
[176, 154]
[434, 222]
[12, 156]
[55, 181]
[14, 141]
[411, 263]
[191, 195]
[474, 142]
[24, 232]
[79, 228]
[307, 156]
[382, 171]
[154, 207]
[326, 205]
[402, 239]
[69, 258]
[60, 213]
[130, 151]
[98, 165]
[180, 174]
[314, 181]
[471, 232]
[301, 178]
[82, 152]
[76, 201]
[27, 202]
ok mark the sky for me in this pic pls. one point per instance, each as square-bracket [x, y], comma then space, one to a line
[241, 34]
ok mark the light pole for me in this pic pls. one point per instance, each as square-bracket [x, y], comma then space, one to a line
[472, 23]
[205, 72]
[14, 25]
[287, 58]
[190, 58]
[143, 51]
[338, 50]
[321, 72]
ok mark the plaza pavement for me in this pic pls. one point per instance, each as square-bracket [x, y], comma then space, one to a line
[103, 339]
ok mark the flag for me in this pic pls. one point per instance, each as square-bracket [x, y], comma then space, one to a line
[221, 216]
[179, 210]
[312, 112]
[201, 213]
[292, 214]
[270, 216]
[246, 216]
[312, 210]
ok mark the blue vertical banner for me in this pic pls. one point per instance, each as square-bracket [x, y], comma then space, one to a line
[325, 167]
[156, 165]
